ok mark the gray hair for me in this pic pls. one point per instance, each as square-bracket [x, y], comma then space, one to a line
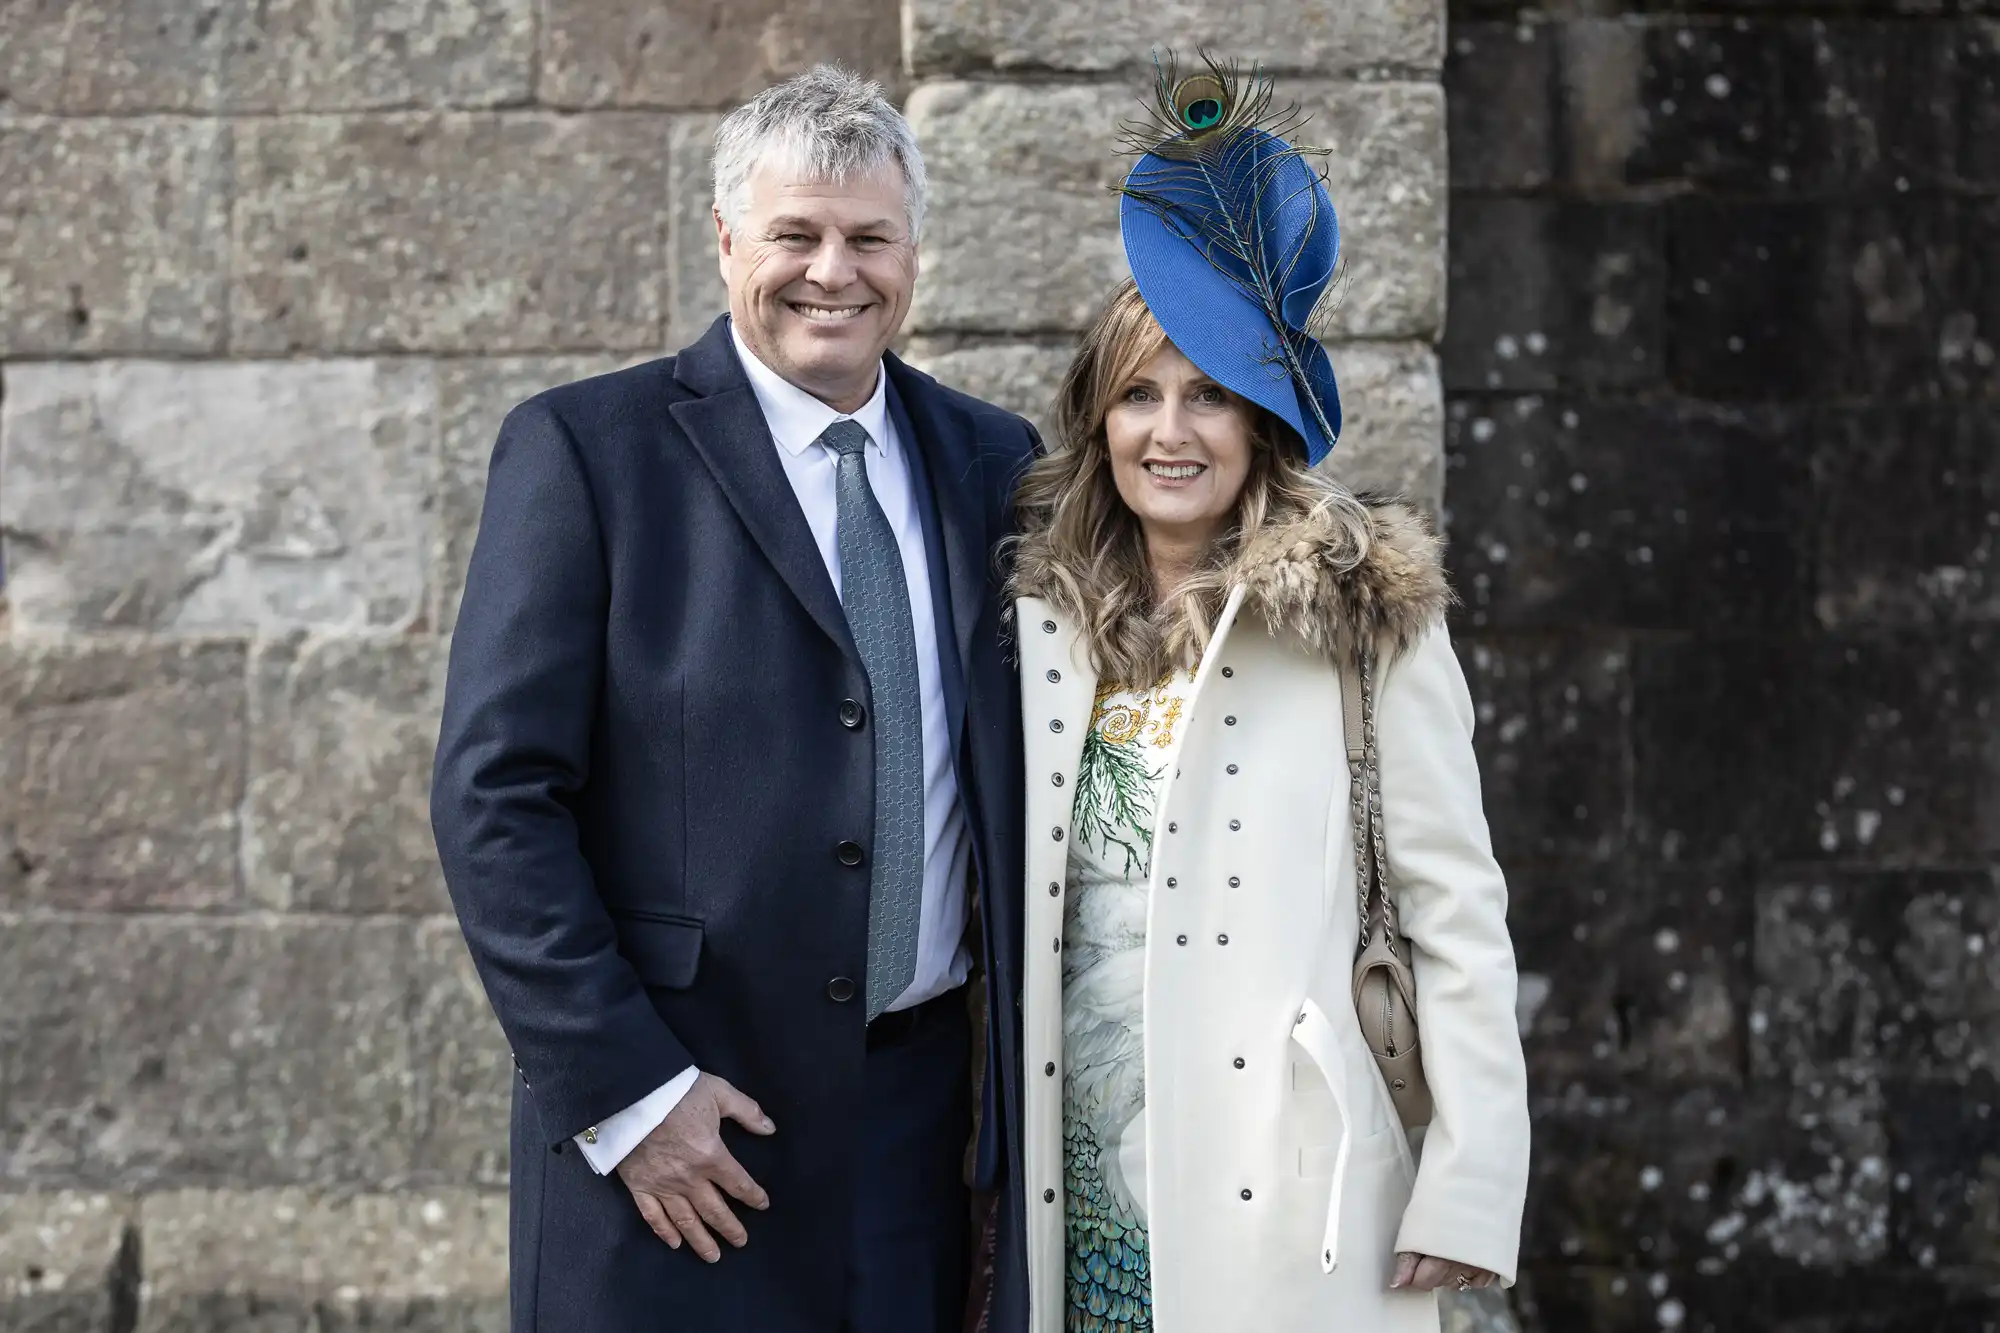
[826, 124]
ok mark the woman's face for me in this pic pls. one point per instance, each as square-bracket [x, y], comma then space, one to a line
[1180, 449]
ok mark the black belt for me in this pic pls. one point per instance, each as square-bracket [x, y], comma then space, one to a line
[899, 1025]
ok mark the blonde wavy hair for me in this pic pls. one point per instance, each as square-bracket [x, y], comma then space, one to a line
[1078, 546]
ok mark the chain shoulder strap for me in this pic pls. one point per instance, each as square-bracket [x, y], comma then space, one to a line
[1371, 856]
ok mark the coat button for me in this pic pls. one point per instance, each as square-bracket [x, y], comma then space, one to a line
[1048, 627]
[1232, 770]
[1239, 1062]
[1397, 1085]
[1056, 834]
[851, 713]
[1054, 676]
[1058, 946]
[1235, 825]
[1173, 828]
[1222, 939]
[849, 853]
[1229, 721]
[1055, 890]
[1056, 778]
[1246, 1195]
[1056, 725]
[1235, 883]
[1180, 939]
[1229, 671]
[1049, 1069]
[840, 990]
[1048, 1196]
[1172, 882]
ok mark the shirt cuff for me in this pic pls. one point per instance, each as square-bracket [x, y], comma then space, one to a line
[607, 1143]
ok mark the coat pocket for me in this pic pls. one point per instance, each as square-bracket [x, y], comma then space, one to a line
[664, 950]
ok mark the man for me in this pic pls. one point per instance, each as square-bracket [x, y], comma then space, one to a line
[730, 752]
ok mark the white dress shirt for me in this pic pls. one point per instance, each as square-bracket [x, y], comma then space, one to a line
[797, 419]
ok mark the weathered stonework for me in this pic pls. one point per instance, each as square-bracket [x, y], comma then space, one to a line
[705, 53]
[293, 1260]
[220, 1052]
[113, 236]
[696, 294]
[1020, 376]
[121, 774]
[196, 498]
[1024, 236]
[93, 57]
[342, 733]
[954, 36]
[512, 232]
[68, 1262]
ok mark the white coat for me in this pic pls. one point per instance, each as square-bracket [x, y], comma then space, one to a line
[1278, 1193]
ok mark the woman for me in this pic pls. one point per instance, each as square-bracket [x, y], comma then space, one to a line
[1208, 1142]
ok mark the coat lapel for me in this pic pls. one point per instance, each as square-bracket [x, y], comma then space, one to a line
[728, 430]
[957, 482]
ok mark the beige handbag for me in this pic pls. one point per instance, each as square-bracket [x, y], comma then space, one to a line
[1385, 988]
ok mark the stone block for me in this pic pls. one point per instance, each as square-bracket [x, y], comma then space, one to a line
[463, 1086]
[294, 1261]
[993, 266]
[342, 732]
[474, 397]
[1947, 1159]
[1903, 296]
[1857, 750]
[160, 1051]
[1941, 93]
[1392, 422]
[1774, 1298]
[1549, 294]
[1569, 512]
[706, 53]
[966, 36]
[1551, 742]
[1500, 82]
[510, 232]
[1891, 971]
[187, 498]
[68, 1262]
[1710, 1178]
[1875, 471]
[98, 57]
[113, 236]
[121, 774]
[1022, 377]
[1639, 973]
[695, 290]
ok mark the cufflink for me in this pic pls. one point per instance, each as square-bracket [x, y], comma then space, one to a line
[590, 1135]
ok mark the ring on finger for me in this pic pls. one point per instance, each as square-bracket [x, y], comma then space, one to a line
[1464, 1281]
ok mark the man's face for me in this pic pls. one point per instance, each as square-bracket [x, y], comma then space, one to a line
[820, 276]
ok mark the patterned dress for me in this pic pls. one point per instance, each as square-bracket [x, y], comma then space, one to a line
[1127, 756]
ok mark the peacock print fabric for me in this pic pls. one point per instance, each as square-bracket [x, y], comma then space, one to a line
[1127, 755]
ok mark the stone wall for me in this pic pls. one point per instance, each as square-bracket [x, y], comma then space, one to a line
[269, 277]
[1724, 486]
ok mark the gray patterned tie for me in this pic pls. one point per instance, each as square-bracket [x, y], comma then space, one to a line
[877, 599]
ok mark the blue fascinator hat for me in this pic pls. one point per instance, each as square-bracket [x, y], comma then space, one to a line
[1232, 239]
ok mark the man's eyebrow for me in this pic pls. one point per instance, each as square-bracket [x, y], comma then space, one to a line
[790, 222]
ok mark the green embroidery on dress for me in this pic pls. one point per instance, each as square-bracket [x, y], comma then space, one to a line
[1114, 797]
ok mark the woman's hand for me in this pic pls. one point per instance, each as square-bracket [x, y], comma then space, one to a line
[1422, 1272]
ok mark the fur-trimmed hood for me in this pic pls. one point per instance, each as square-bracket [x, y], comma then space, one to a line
[1293, 578]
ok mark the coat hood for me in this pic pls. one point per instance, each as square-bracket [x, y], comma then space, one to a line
[1302, 579]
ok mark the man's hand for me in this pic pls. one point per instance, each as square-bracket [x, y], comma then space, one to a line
[679, 1173]
[1423, 1272]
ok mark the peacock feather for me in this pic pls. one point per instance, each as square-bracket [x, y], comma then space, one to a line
[1215, 166]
